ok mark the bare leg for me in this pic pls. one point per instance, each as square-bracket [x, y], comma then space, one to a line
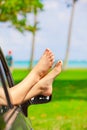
[2, 97]
[18, 92]
[44, 86]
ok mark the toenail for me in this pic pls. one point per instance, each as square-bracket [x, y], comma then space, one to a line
[60, 62]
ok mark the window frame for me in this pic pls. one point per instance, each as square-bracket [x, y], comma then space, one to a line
[8, 77]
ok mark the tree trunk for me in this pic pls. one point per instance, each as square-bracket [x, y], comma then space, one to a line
[69, 37]
[33, 43]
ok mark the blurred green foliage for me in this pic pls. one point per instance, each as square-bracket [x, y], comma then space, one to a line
[15, 11]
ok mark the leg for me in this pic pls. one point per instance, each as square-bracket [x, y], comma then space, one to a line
[2, 97]
[44, 86]
[19, 91]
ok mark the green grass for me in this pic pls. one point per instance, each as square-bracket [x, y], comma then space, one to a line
[59, 115]
[19, 74]
[68, 108]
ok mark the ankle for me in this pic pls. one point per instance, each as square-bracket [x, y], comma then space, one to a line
[46, 90]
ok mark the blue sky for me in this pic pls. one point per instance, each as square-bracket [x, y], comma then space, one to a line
[54, 23]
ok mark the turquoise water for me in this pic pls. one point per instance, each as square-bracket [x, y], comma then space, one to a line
[71, 64]
[77, 64]
[23, 64]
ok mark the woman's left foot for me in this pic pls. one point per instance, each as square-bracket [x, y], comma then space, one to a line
[44, 86]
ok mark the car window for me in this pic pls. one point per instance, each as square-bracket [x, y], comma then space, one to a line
[4, 85]
[9, 82]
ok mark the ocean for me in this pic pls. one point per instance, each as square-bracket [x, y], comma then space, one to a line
[71, 64]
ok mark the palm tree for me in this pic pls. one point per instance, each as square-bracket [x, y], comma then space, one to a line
[34, 29]
[36, 7]
[69, 35]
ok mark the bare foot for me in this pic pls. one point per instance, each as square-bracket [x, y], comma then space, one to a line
[46, 83]
[44, 64]
[44, 86]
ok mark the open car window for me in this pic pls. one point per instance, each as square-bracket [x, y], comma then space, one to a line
[4, 84]
[7, 82]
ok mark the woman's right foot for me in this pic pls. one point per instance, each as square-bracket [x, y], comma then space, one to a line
[44, 64]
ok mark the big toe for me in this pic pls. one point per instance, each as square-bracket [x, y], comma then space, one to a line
[59, 63]
[58, 66]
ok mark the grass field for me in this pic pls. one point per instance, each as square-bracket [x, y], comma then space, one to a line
[68, 108]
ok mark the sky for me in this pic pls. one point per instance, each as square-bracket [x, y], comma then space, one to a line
[53, 33]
